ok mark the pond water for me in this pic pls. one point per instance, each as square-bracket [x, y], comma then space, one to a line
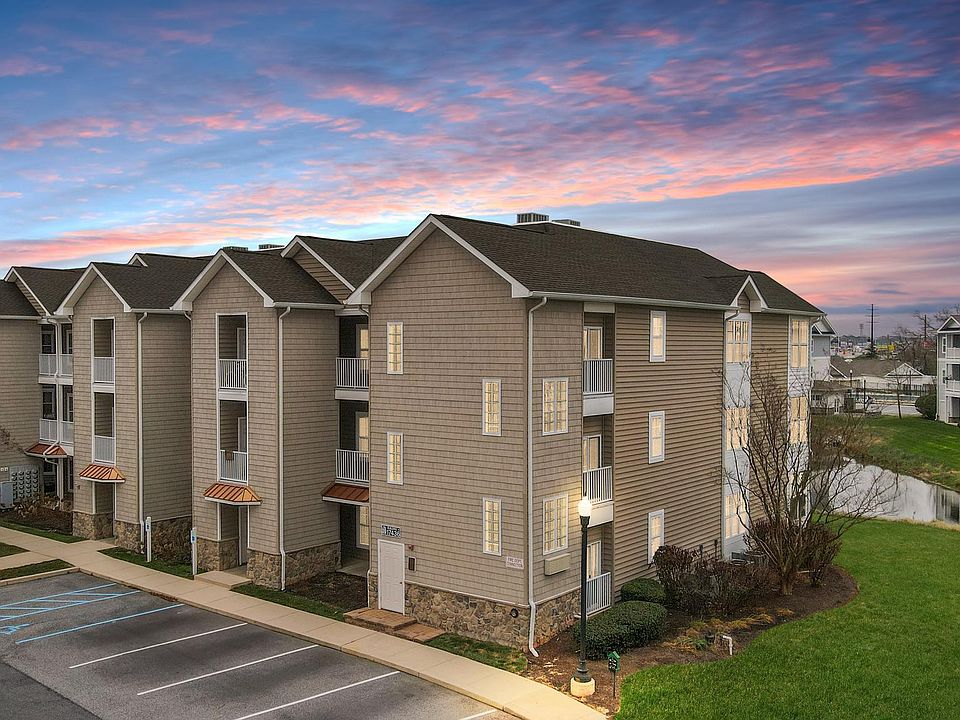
[918, 500]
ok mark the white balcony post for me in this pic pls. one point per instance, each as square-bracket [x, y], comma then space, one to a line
[232, 374]
[353, 373]
[598, 484]
[353, 465]
[597, 377]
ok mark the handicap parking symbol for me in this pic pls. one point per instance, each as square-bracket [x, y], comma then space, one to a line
[11, 629]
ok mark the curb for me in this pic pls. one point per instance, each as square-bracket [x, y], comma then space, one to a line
[38, 576]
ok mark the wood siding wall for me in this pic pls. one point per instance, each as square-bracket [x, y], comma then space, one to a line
[688, 388]
[320, 273]
[460, 326]
[19, 390]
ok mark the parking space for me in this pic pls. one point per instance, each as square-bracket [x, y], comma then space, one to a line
[73, 645]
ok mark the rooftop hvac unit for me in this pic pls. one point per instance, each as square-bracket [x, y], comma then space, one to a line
[531, 217]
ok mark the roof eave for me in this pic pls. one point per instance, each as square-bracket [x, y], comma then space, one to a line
[587, 297]
[12, 273]
[80, 287]
[297, 241]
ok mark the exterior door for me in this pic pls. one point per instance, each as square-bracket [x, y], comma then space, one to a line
[594, 556]
[591, 452]
[243, 520]
[592, 343]
[390, 575]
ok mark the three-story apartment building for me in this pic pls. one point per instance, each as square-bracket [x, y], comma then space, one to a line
[132, 401]
[948, 370]
[37, 381]
[515, 369]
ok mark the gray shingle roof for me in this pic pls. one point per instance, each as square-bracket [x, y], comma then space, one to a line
[13, 302]
[353, 259]
[557, 258]
[50, 285]
[282, 279]
[156, 286]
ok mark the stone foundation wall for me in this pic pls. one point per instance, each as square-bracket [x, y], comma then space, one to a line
[264, 568]
[92, 527]
[128, 536]
[214, 555]
[171, 539]
[555, 616]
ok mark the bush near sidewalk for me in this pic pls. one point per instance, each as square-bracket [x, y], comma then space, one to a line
[625, 625]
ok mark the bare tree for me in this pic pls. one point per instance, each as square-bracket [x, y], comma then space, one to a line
[798, 481]
[7, 441]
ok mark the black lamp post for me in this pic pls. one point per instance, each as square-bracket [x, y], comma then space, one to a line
[581, 684]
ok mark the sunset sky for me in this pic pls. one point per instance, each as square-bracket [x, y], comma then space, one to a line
[819, 142]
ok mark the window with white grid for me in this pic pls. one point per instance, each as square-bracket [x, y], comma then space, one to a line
[799, 415]
[394, 348]
[656, 436]
[737, 419]
[799, 342]
[395, 458]
[491, 407]
[654, 533]
[555, 405]
[658, 336]
[554, 524]
[491, 526]
[738, 341]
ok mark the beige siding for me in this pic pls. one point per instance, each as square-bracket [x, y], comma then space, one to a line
[19, 390]
[165, 373]
[322, 275]
[688, 388]
[769, 343]
[229, 293]
[309, 427]
[558, 462]
[99, 302]
[460, 326]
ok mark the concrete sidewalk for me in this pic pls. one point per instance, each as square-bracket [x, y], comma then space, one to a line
[511, 693]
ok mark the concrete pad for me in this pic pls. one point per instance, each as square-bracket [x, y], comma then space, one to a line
[301, 623]
[500, 690]
[236, 603]
[547, 703]
[462, 675]
[266, 613]
[378, 647]
[205, 595]
[420, 658]
[223, 579]
[337, 634]
[21, 559]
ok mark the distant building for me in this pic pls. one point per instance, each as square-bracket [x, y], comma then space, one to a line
[881, 379]
[948, 370]
[822, 342]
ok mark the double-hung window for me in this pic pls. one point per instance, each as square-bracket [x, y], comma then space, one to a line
[555, 406]
[654, 533]
[395, 348]
[363, 526]
[737, 428]
[656, 439]
[592, 342]
[491, 407]
[491, 526]
[799, 414]
[658, 336]
[49, 407]
[738, 341]
[395, 458]
[799, 342]
[554, 524]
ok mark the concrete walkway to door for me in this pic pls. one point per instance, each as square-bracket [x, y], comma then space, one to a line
[500, 689]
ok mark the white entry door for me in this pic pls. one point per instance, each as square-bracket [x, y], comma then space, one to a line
[390, 575]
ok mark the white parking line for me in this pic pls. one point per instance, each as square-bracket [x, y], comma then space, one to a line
[318, 695]
[226, 670]
[150, 647]
[479, 715]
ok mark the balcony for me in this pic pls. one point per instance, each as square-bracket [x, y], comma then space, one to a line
[104, 449]
[952, 353]
[48, 431]
[353, 466]
[232, 375]
[66, 432]
[599, 593]
[353, 378]
[952, 385]
[233, 466]
[598, 484]
[66, 365]
[103, 370]
[48, 364]
[597, 387]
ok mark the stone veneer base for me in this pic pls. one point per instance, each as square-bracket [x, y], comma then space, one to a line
[264, 568]
[217, 554]
[92, 527]
[170, 541]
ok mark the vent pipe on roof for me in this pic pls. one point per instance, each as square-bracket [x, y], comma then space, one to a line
[531, 217]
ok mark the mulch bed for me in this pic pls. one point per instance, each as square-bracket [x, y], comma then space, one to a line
[341, 590]
[40, 517]
[558, 659]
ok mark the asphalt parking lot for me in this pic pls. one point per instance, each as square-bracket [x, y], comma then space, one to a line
[78, 647]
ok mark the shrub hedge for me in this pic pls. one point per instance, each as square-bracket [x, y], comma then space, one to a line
[645, 589]
[927, 406]
[625, 625]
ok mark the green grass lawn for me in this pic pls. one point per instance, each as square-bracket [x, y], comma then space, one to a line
[298, 602]
[925, 449]
[50, 534]
[34, 569]
[179, 569]
[9, 549]
[488, 653]
[892, 652]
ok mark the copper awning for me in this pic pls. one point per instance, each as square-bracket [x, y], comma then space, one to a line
[347, 494]
[101, 473]
[231, 494]
[46, 450]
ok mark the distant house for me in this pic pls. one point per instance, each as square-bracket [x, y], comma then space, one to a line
[822, 339]
[880, 379]
[948, 370]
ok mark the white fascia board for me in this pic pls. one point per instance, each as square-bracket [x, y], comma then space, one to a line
[297, 242]
[579, 297]
[185, 303]
[80, 287]
[805, 313]
[950, 320]
[307, 306]
[749, 282]
[13, 274]
[19, 317]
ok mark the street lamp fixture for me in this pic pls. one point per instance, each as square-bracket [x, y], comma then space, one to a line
[581, 684]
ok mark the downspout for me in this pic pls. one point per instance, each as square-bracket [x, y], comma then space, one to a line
[140, 425]
[283, 552]
[530, 601]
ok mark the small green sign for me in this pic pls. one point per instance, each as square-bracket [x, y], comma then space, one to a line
[613, 661]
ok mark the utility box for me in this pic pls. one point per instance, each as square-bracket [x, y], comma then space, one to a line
[25, 484]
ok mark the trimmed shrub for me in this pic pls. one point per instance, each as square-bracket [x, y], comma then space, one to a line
[927, 406]
[644, 589]
[673, 565]
[718, 587]
[820, 546]
[625, 625]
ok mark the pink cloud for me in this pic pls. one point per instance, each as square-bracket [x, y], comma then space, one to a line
[20, 66]
[65, 131]
[186, 37]
[897, 70]
[10, 194]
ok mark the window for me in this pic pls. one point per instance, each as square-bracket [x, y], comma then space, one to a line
[654, 533]
[491, 407]
[799, 410]
[363, 432]
[241, 434]
[48, 345]
[68, 473]
[491, 526]
[363, 526]
[799, 343]
[67, 348]
[658, 336]
[554, 524]
[738, 341]
[656, 439]
[799, 499]
[49, 408]
[555, 406]
[737, 419]
[592, 343]
[242, 342]
[395, 348]
[734, 513]
[68, 403]
[395, 458]
[594, 559]
[591, 452]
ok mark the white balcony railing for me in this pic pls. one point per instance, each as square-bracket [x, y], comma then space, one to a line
[233, 466]
[232, 374]
[951, 384]
[597, 377]
[353, 466]
[104, 449]
[66, 365]
[952, 353]
[66, 432]
[599, 593]
[598, 484]
[103, 370]
[353, 373]
[48, 364]
[48, 430]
